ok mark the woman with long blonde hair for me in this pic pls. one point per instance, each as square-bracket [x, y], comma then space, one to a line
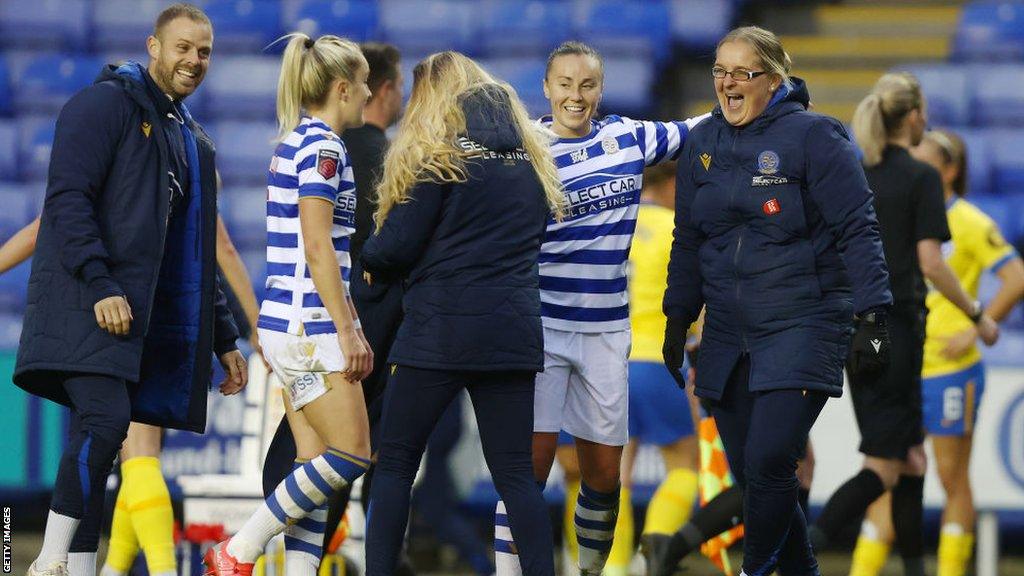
[308, 326]
[468, 186]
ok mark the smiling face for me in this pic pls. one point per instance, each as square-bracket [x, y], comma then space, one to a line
[179, 55]
[742, 101]
[573, 86]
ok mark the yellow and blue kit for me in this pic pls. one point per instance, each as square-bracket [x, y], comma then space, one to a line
[952, 388]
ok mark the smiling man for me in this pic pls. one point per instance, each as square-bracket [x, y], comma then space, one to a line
[124, 309]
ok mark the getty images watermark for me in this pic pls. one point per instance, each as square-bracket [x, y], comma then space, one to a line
[7, 539]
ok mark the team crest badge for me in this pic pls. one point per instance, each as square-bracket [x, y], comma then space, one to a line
[146, 128]
[610, 145]
[327, 163]
[705, 159]
[768, 162]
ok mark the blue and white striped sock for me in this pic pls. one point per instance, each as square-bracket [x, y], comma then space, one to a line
[295, 498]
[506, 558]
[304, 540]
[596, 513]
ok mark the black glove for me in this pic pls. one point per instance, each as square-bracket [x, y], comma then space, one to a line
[674, 349]
[869, 353]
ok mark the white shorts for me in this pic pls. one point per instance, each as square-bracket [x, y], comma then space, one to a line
[302, 362]
[584, 388]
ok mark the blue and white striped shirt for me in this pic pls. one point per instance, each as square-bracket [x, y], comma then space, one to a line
[583, 257]
[310, 163]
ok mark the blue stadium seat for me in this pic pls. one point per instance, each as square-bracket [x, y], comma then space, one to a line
[948, 90]
[1005, 146]
[423, 26]
[630, 93]
[43, 83]
[979, 161]
[245, 214]
[9, 169]
[241, 87]
[638, 28]
[699, 24]
[244, 25]
[35, 140]
[6, 105]
[1016, 205]
[124, 24]
[19, 202]
[998, 94]
[533, 27]
[990, 30]
[244, 150]
[49, 24]
[353, 19]
[526, 75]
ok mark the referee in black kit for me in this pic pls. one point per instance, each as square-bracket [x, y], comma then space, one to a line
[912, 215]
[379, 305]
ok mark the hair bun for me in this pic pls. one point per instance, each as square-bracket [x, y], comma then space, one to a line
[309, 43]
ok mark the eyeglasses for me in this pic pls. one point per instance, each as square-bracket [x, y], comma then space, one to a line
[737, 75]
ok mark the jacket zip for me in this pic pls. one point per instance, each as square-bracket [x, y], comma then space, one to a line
[739, 248]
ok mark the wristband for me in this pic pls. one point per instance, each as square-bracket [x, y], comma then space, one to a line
[977, 313]
[356, 324]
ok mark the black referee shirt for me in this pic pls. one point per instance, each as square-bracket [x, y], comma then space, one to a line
[366, 146]
[911, 207]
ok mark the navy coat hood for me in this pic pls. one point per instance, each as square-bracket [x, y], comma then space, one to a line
[489, 119]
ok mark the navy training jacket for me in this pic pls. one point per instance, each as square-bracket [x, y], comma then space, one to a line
[776, 233]
[106, 230]
[469, 251]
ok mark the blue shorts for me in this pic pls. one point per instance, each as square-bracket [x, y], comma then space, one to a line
[951, 401]
[659, 412]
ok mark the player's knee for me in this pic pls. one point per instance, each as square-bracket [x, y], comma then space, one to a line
[917, 461]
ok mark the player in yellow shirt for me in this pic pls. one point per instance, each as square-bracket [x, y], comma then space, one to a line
[953, 377]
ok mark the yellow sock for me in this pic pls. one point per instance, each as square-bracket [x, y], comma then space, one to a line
[869, 557]
[149, 505]
[572, 492]
[124, 546]
[622, 547]
[672, 503]
[955, 549]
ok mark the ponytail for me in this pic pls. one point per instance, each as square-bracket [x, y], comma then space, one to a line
[308, 68]
[869, 129]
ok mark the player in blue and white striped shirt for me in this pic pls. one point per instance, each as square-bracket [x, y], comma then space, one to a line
[584, 302]
[308, 326]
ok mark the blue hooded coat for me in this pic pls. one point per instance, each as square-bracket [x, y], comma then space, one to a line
[776, 233]
[107, 229]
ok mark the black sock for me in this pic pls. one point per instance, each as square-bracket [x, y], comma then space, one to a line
[908, 522]
[847, 503]
[803, 498]
[720, 514]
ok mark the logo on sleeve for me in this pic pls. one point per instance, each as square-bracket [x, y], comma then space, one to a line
[327, 163]
[705, 159]
[771, 207]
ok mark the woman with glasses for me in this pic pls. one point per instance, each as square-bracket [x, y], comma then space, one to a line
[776, 235]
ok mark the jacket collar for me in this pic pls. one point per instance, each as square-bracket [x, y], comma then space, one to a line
[135, 79]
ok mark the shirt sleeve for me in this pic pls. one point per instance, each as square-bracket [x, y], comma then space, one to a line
[989, 247]
[930, 208]
[321, 167]
[660, 141]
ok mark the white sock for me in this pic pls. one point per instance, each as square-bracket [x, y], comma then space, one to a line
[60, 530]
[596, 514]
[303, 543]
[354, 547]
[108, 570]
[506, 559]
[82, 564]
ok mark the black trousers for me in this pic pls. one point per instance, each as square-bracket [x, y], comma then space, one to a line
[414, 400]
[765, 435]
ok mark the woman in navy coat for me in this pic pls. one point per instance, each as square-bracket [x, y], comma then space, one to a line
[776, 236]
[467, 189]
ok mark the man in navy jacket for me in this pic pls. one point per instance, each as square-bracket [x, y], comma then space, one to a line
[123, 306]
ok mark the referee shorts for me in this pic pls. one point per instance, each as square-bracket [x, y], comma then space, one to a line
[889, 407]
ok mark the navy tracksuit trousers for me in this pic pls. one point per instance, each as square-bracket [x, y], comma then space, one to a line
[764, 434]
[414, 400]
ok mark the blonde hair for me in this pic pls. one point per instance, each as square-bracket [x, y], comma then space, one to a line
[768, 48]
[880, 114]
[308, 68]
[953, 151]
[426, 148]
